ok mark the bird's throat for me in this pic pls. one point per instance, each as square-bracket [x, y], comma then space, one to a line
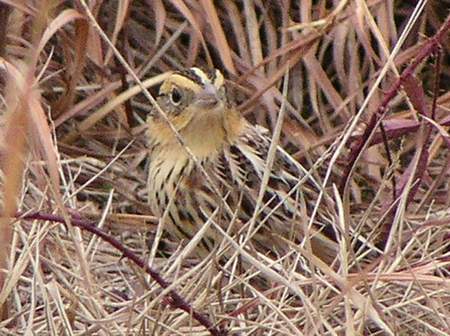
[205, 136]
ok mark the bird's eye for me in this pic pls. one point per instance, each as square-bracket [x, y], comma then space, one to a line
[175, 96]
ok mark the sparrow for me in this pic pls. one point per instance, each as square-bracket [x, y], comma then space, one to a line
[206, 164]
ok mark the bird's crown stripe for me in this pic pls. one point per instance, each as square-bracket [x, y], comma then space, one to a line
[200, 77]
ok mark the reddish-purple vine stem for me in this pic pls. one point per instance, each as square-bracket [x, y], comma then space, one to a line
[431, 46]
[176, 300]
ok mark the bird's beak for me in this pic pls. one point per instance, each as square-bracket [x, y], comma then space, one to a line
[208, 97]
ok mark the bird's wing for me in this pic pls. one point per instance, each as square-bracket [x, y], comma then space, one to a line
[283, 208]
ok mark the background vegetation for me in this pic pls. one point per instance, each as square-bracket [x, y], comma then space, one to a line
[367, 109]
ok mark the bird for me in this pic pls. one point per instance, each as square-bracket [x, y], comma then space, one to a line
[207, 162]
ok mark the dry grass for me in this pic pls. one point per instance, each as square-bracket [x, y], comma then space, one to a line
[366, 105]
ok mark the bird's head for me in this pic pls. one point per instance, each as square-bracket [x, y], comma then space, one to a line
[197, 105]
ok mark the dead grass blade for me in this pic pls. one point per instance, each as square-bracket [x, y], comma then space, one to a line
[121, 16]
[14, 135]
[160, 18]
[110, 105]
[187, 13]
[219, 35]
[254, 40]
[75, 67]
